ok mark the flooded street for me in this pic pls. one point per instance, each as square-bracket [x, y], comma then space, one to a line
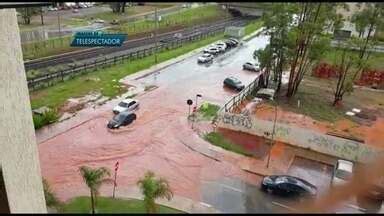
[155, 141]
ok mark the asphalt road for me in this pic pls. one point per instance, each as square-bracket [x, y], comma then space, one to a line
[96, 52]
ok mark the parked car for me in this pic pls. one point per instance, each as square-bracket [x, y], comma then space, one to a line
[231, 43]
[266, 93]
[342, 173]
[178, 35]
[206, 57]
[288, 185]
[121, 119]
[234, 40]
[212, 50]
[115, 22]
[221, 48]
[99, 21]
[234, 83]
[251, 67]
[126, 105]
[52, 9]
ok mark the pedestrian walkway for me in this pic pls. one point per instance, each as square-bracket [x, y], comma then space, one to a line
[248, 164]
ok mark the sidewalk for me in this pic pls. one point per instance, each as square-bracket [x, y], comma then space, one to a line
[194, 141]
[177, 202]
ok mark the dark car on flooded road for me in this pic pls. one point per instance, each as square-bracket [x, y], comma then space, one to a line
[233, 83]
[121, 119]
[285, 185]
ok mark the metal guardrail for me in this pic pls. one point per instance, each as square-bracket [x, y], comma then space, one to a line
[377, 48]
[51, 78]
[253, 87]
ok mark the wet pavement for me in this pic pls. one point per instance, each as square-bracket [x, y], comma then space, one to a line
[155, 141]
[231, 195]
[315, 172]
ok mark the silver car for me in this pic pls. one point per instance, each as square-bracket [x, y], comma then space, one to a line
[251, 67]
[126, 105]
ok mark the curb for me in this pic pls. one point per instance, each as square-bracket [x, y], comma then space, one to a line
[177, 202]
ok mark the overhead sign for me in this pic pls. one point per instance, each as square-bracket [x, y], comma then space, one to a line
[97, 38]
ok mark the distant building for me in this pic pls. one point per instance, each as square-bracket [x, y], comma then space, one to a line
[234, 31]
[349, 28]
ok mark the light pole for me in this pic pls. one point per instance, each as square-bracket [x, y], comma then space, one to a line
[58, 21]
[273, 133]
[156, 27]
[197, 96]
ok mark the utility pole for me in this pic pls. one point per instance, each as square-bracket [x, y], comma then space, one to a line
[157, 26]
[273, 133]
[41, 16]
[58, 21]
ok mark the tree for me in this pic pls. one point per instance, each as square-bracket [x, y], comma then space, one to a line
[117, 7]
[27, 12]
[94, 178]
[277, 21]
[313, 20]
[153, 188]
[351, 64]
[50, 198]
[41, 16]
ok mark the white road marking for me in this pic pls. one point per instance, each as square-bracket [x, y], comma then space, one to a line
[284, 206]
[355, 207]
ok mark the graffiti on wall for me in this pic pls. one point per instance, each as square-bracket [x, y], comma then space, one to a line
[322, 143]
[236, 120]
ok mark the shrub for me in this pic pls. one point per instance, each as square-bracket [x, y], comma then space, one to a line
[38, 121]
[46, 118]
[208, 110]
[51, 116]
[218, 139]
[50, 198]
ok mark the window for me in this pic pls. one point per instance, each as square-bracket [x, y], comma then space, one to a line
[123, 104]
[130, 104]
[4, 207]
[343, 174]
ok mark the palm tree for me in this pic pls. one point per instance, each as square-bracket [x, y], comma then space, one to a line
[153, 188]
[94, 178]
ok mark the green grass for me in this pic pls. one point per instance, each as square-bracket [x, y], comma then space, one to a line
[186, 17]
[56, 95]
[52, 46]
[218, 139]
[253, 26]
[208, 111]
[75, 22]
[315, 101]
[375, 61]
[109, 205]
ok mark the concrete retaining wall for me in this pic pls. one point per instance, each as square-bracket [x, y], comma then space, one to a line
[311, 140]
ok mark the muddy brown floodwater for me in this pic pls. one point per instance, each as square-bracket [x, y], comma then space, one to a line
[155, 141]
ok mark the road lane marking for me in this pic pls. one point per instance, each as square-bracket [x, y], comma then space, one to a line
[284, 206]
[355, 207]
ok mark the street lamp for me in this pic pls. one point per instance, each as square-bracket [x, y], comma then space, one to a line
[156, 27]
[197, 96]
[195, 109]
[273, 133]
